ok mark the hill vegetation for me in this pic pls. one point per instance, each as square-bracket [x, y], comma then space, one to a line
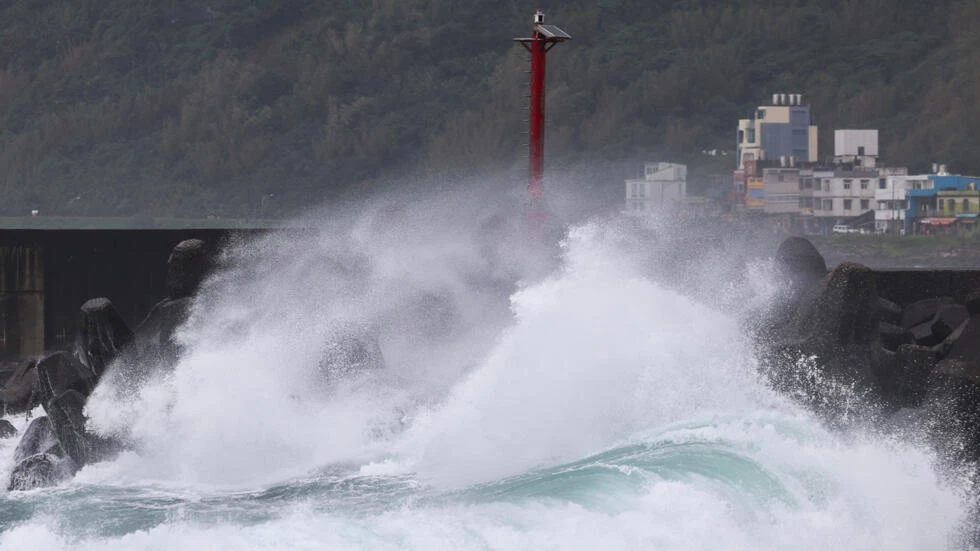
[261, 107]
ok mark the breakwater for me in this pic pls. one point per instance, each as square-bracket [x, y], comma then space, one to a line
[45, 275]
[899, 347]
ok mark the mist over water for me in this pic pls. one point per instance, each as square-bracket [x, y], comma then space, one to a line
[541, 390]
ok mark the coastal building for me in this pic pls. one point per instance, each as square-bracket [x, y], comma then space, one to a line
[856, 148]
[781, 190]
[890, 202]
[780, 131]
[663, 187]
[924, 214]
[841, 194]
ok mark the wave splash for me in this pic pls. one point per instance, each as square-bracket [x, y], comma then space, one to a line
[533, 396]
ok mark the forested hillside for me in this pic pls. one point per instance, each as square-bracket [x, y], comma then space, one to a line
[195, 108]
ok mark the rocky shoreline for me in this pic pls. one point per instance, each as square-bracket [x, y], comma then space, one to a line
[106, 351]
[56, 445]
[897, 347]
[856, 345]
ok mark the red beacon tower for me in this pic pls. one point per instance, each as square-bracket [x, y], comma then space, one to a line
[543, 39]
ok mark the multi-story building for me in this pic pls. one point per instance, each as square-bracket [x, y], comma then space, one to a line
[890, 202]
[663, 187]
[781, 130]
[924, 213]
[782, 190]
[840, 194]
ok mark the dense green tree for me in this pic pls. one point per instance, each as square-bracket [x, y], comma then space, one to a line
[182, 107]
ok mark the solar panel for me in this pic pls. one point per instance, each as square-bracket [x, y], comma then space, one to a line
[552, 31]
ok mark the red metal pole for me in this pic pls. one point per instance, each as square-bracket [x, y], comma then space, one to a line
[536, 133]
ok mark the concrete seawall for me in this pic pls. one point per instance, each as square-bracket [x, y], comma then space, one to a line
[46, 275]
[907, 286]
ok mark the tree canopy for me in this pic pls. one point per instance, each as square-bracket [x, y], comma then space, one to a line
[181, 107]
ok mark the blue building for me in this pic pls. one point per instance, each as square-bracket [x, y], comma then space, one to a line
[781, 132]
[923, 205]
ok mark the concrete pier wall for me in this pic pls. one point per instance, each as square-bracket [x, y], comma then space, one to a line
[46, 275]
[21, 301]
[907, 286]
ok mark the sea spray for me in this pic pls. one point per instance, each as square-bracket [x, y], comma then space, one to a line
[597, 407]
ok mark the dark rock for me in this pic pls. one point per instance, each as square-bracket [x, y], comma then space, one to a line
[40, 471]
[893, 336]
[155, 346]
[155, 340]
[973, 302]
[102, 336]
[923, 310]
[847, 310]
[834, 321]
[187, 267]
[922, 334]
[59, 372]
[953, 403]
[38, 438]
[903, 379]
[889, 312]
[6, 429]
[800, 260]
[7, 370]
[17, 393]
[947, 318]
[967, 346]
[953, 395]
[68, 423]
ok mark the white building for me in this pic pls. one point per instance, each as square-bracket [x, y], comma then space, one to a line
[842, 194]
[890, 202]
[663, 187]
[858, 148]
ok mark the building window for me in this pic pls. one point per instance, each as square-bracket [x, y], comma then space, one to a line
[847, 204]
[864, 184]
[847, 184]
[828, 204]
[865, 204]
[861, 150]
[882, 205]
[760, 114]
[966, 205]
[751, 135]
[741, 136]
[882, 184]
[826, 185]
[942, 204]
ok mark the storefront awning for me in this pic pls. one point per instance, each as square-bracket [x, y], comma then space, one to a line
[938, 221]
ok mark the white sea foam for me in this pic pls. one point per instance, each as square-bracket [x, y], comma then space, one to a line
[589, 356]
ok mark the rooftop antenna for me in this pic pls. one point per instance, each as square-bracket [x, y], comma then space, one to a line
[543, 39]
